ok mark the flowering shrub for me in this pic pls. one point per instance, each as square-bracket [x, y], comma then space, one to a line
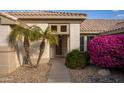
[107, 51]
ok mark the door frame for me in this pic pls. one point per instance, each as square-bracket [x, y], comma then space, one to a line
[59, 55]
[64, 52]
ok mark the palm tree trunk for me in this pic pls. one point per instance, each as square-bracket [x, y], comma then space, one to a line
[42, 47]
[27, 49]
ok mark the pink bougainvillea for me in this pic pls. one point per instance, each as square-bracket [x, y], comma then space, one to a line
[107, 51]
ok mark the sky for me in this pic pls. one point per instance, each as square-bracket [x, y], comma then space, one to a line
[101, 14]
[92, 14]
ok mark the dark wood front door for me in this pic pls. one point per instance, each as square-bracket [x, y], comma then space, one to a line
[59, 47]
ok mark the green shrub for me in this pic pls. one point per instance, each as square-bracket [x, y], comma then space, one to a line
[75, 59]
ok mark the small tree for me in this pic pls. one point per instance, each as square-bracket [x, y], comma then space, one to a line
[26, 35]
[48, 36]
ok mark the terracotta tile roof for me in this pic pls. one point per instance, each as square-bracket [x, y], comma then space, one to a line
[15, 20]
[117, 26]
[8, 16]
[87, 26]
[46, 14]
[98, 25]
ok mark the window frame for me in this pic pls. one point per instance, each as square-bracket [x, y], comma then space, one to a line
[81, 43]
[59, 28]
[54, 26]
[65, 28]
[89, 38]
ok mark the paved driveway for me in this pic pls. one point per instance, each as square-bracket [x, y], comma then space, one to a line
[58, 73]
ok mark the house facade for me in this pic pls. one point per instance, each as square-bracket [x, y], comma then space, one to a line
[73, 30]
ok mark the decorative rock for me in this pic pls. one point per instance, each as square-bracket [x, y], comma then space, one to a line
[104, 72]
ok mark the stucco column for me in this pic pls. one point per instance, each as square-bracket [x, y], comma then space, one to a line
[85, 43]
[68, 44]
[8, 57]
[74, 36]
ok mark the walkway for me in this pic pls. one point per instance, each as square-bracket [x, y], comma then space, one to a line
[58, 72]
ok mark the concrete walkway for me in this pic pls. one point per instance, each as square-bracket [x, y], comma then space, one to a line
[58, 72]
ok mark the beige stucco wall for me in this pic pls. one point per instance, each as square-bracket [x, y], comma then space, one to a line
[35, 45]
[4, 33]
[8, 60]
[35, 49]
[8, 57]
[5, 20]
[74, 36]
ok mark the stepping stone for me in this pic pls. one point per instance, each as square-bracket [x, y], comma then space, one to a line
[104, 72]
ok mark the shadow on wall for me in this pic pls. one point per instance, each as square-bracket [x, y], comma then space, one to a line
[34, 50]
[20, 52]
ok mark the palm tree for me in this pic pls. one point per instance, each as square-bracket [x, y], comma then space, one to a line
[26, 35]
[48, 36]
[33, 33]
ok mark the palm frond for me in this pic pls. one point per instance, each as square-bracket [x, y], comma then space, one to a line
[53, 40]
[47, 30]
[15, 35]
[36, 33]
[32, 33]
[50, 36]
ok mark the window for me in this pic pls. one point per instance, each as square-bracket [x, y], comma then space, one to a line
[89, 38]
[63, 28]
[54, 28]
[81, 43]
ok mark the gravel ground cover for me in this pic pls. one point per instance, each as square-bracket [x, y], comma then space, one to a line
[90, 75]
[26, 74]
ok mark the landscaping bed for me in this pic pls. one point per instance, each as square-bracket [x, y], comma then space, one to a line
[26, 74]
[90, 74]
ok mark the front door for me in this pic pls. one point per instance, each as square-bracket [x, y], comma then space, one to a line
[59, 47]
